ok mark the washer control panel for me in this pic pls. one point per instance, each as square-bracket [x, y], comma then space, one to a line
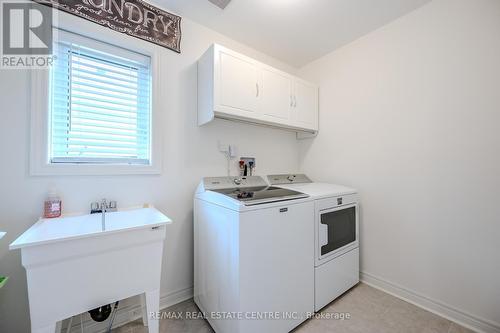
[221, 183]
[293, 178]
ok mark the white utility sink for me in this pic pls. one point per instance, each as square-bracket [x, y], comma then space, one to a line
[73, 266]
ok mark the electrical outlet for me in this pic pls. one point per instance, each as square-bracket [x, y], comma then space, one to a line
[223, 147]
[227, 149]
[233, 151]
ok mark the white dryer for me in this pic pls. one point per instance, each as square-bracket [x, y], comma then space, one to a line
[253, 255]
[336, 234]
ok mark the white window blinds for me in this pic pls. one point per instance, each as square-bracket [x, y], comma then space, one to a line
[100, 103]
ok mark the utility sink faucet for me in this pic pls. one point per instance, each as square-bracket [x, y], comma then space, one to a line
[103, 208]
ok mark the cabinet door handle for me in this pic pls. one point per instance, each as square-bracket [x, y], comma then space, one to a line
[294, 101]
[291, 100]
[256, 90]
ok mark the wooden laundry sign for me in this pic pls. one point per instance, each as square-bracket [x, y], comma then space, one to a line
[132, 17]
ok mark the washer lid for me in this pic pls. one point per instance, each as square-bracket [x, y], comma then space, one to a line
[320, 190]
[260, 195]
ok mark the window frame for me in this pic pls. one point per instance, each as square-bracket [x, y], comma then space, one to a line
[109, 53]
[40, 164]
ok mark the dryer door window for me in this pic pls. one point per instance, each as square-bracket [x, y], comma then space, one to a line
[339, 227]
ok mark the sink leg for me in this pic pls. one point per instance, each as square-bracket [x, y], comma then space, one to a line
[152, 308]
[51, 328]
[59, 326]
[144, 310]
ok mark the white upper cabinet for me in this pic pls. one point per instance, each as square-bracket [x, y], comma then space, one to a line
[234, 86]
[238, 84]
[305, 100]
[276, 96]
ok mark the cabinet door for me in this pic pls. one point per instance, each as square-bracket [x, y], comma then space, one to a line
[238, 85]
[276, 96]
[306, 105]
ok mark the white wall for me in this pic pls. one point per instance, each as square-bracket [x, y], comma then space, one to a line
[190, 153]
[410, 116]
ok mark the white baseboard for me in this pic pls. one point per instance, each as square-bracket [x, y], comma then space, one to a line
[176, 297]
[460, 317]
[129, 313]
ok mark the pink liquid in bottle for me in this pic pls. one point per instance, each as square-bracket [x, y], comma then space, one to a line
[52, 206]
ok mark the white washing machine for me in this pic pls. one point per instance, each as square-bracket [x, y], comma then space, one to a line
[253, 255]
[336, 235]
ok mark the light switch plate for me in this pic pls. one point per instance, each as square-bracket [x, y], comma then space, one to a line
[223, 147]
[227, 149]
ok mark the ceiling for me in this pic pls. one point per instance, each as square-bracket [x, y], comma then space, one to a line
[294, 31]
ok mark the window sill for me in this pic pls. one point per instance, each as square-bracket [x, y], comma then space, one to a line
[68, 169]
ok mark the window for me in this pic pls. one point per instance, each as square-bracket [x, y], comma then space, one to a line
[100, 104]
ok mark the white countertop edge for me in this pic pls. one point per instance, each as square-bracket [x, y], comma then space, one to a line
[14, 246]
[19, 242]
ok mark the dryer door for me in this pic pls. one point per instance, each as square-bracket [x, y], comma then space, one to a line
[338, 231]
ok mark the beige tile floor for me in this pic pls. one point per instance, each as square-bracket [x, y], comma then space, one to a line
[370, 310]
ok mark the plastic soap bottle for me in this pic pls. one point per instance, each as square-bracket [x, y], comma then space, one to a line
[52, 206]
